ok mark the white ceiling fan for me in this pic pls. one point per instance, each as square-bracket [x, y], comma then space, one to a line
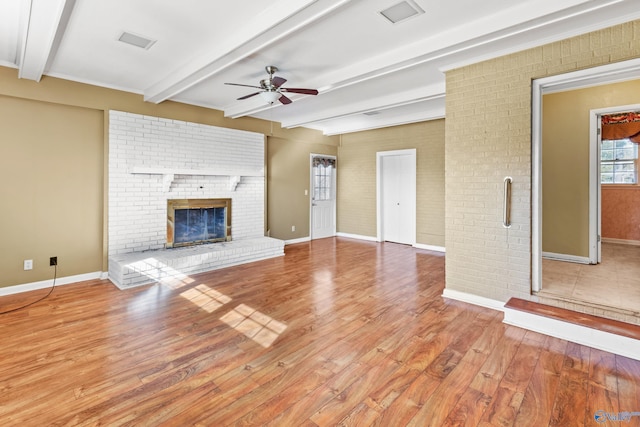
[271, 89]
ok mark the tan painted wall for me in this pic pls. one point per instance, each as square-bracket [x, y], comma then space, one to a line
[55, 131]
[488, 137]
[51, 191]
[357, 178]
[565, 162]
[286, 184]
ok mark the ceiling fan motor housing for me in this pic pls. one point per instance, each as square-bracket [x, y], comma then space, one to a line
[267, 84]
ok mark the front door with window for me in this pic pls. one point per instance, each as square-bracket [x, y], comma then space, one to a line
[323, 196]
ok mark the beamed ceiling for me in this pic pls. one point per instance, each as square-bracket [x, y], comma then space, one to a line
[370, 72]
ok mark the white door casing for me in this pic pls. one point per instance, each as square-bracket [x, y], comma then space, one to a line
[396, 191]
[595, 132]
[610, 73]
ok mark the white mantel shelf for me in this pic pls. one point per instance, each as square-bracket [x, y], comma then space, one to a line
[168, 174]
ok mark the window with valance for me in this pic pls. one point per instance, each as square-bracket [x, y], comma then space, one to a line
[621, 126]
[619, 151]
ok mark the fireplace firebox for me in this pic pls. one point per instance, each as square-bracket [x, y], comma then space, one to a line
[198, 221]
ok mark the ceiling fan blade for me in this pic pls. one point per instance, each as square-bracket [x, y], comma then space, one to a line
[278, 81]
[248, 96]
[302, 91]
[283, 99]
[238, 84]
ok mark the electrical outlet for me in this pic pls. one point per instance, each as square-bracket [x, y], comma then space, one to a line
[28, 264]
[293, 228]
[53, 260]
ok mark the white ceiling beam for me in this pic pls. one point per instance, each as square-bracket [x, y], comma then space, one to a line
[421, 116]
[279, 20]
[552, 28]
[255, 105]
[402, 57]
[42, 20]
[476, 37]
[384, 102]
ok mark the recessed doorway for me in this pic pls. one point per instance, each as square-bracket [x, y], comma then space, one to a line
[591, 274]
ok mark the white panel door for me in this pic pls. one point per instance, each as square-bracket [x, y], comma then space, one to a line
[398, 198]
[323, 198]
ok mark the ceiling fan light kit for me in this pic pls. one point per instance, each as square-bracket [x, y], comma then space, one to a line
[271, 88]
[270, 96]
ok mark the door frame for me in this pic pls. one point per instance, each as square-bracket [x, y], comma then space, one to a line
[595, 125]
[379, 193]
[605, 74]
[334, 184]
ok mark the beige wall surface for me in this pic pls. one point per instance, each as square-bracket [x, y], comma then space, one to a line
[51, 189]
[488, 137]
[288, 177]
[565, 162]
[54, 138]
[357, 178]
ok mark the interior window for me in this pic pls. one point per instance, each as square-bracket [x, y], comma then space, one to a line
[619, 162]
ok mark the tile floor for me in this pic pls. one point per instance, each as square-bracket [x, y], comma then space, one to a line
[613, 283]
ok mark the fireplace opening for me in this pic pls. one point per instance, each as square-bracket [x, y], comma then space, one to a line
[198, 221]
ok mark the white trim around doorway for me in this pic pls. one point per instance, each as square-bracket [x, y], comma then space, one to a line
[379, 220]
[610, 73]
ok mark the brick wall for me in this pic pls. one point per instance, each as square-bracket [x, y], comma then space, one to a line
[138, 202]
[488, 137]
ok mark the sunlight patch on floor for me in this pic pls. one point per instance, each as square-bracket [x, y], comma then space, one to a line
[255, 325]
[206, 298]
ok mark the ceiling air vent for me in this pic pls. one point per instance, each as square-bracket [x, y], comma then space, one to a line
[136, 40]
[401, 11]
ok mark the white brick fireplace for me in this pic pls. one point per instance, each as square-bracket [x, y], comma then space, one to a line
[152, 160]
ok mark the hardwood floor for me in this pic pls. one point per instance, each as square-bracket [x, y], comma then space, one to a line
[337, 332]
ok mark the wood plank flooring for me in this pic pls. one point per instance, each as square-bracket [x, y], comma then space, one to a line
[582, 319]
[337, 332]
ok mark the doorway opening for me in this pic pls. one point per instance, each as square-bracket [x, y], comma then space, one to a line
[588, 275]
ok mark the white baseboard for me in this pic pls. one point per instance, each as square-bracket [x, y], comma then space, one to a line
[357, 236]
[621, 241]
[567, 258]
[375, 239]
[473, 299]
[10, 290]
[430, 247]
[582, 335]
[347, 235]
[606, 341]
[300, 240]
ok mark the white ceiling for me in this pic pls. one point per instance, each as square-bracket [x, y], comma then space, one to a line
[360, 62]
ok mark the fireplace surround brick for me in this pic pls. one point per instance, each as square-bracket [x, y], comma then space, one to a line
[137, 202]
[170, 266]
